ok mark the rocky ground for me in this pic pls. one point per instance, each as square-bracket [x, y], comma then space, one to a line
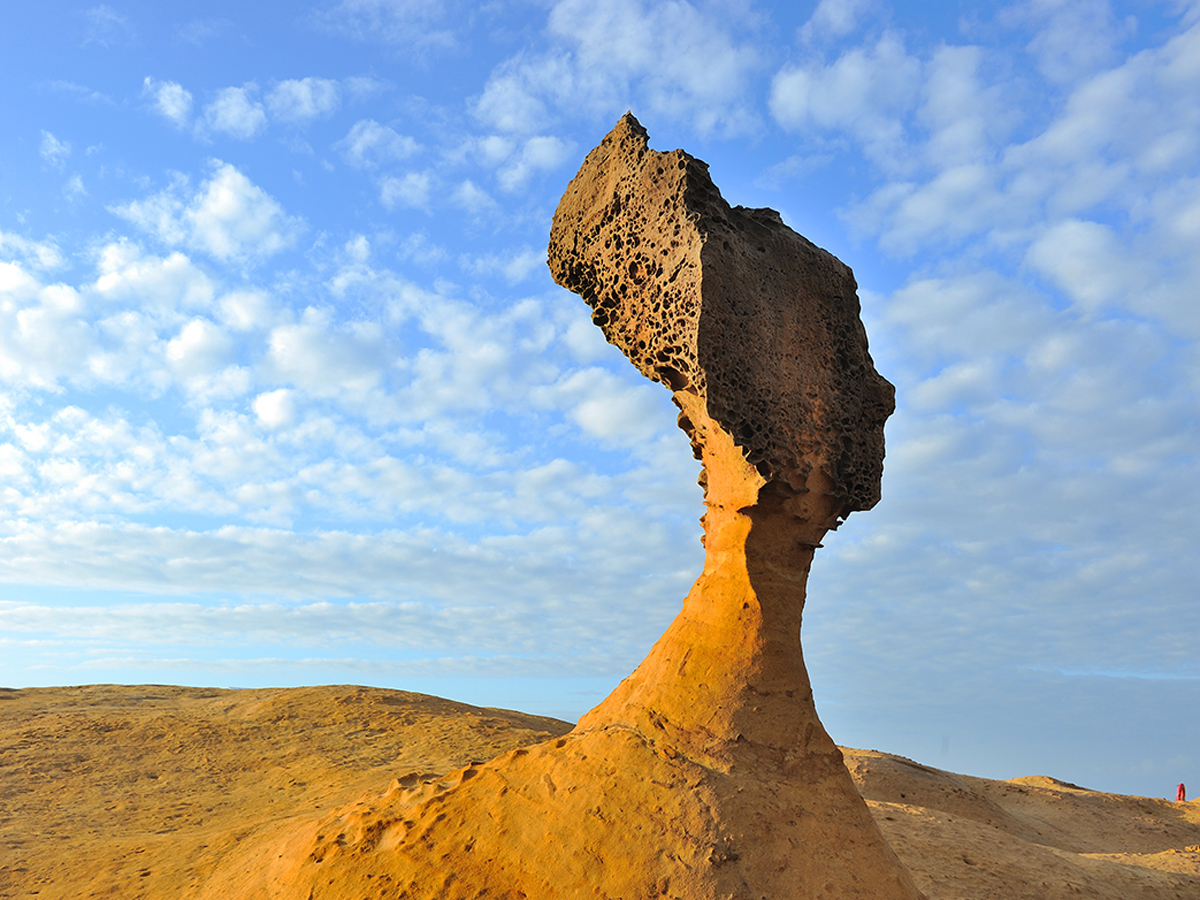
[146, 791]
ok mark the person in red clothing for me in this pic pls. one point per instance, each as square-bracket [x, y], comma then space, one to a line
[1181, 793]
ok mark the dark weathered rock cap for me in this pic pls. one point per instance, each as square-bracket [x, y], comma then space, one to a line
[730, 304]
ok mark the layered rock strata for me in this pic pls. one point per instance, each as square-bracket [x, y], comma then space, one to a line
[706, 774]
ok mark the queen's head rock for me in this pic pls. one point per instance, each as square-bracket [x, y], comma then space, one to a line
[729, 305]
[706, 774]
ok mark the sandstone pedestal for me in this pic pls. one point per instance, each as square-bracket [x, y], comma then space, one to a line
[706, 773]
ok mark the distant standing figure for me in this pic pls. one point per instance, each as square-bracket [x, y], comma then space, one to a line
[1181, 793]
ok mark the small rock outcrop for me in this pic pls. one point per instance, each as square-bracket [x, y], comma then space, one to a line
[706, 773]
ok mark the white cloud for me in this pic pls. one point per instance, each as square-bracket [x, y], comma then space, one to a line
[583, 340]
[358, 249]
[16, 282]
[230, 382]
[412, 189]
[80, 92]
[370, 144]
[236, 113]
[299, 101]
[446, 582]
[669, 59]
[39, 254]
[540, 153]
[866, 92]
[12, 464]
[364, 87]
[327, 360]
[108, 28]
[200, 348]
[955, 204]
[42, 339]
[228, 217]
[1136, 112]
[834, 18]
[232, 218]
[965, 117]
[1120, 143]
[979, 315]
[171, 100]
[1073, 38]
[156, 285]
[520, 266]
[494, 148]
[73, 189]
[472, 197]
[474, 361]
[54, 151]
[130, 353]
[275, 409]
[160, 213]
[249, 310]
[515, 266]
[395, 298]
[80, 464]
[413, 23]
[139, 325]
[1087, 263]
[608, 408]
[683, 58]
[510, 101]
[198, 32]
[111, 331]
[421, 250]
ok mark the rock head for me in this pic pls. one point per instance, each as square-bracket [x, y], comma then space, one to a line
[706, 773]
[729, 305]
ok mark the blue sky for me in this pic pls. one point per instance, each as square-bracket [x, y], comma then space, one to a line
[287, 395]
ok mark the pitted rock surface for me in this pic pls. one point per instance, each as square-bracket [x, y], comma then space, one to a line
[730, 304]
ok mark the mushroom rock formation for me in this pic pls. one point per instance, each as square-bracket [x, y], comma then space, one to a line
[756, 332]
[706, 773]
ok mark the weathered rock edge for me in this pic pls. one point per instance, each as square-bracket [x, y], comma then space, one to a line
[706, 774]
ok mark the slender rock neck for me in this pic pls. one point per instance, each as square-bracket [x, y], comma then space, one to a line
[755, 531]
[729, 673]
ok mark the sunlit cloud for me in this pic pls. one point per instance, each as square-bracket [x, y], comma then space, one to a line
[171, 100]
[300, 100]
[369, 144]
[228, 217]
[235, 112]
[54, 151]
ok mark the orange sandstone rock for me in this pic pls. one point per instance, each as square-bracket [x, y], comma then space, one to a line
[706, 774]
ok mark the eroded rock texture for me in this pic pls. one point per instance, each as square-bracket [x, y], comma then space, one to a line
[728, 304]
[706, 774]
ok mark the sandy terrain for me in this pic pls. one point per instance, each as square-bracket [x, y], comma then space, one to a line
[141, 792]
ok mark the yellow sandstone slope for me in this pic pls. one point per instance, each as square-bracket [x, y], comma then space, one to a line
[157, 792]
